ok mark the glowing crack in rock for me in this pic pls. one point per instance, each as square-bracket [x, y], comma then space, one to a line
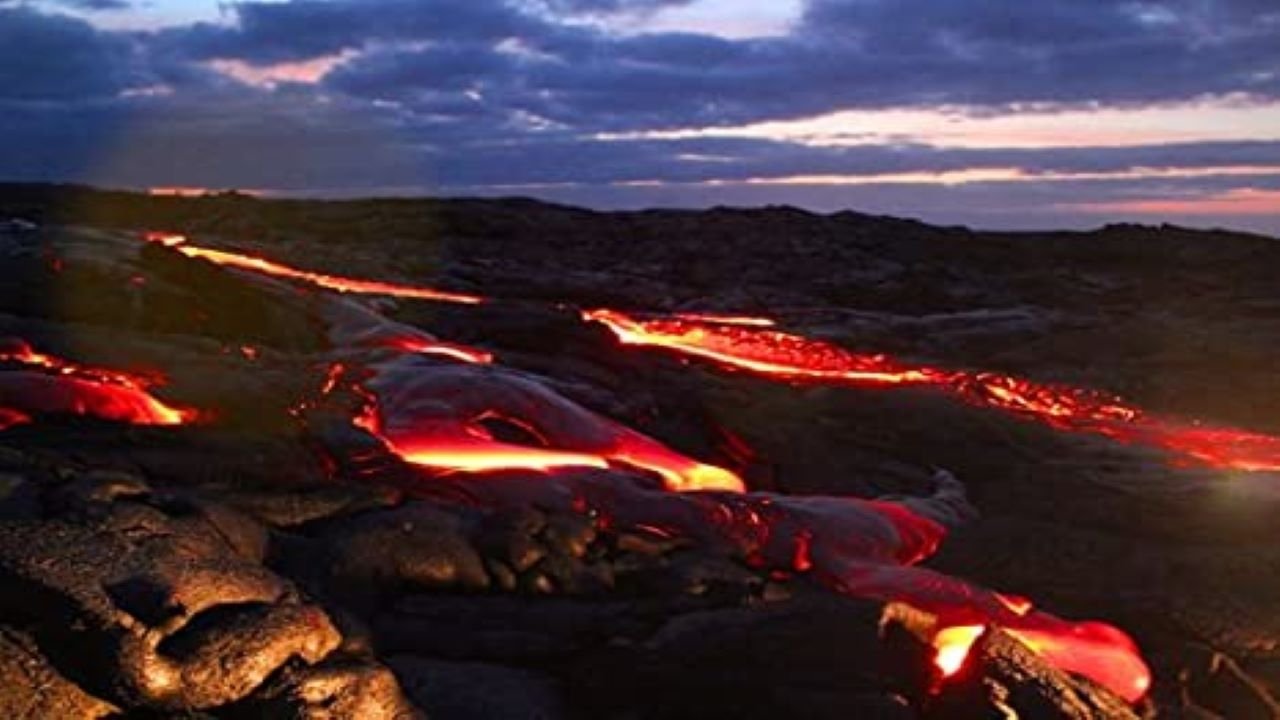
[416, 344]
[775, 354]
[746, 320]
[44, 384]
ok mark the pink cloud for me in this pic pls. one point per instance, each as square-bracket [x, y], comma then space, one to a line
[1239, 201]
[308, 72]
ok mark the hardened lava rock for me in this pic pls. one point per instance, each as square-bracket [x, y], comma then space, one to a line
[1213, 683]
[336, 689]
[813, 656]
[478, 691]
[152, 602]
[31, 688]
[372, 557]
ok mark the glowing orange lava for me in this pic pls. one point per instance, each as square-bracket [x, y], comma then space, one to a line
[1095, 650]
[718, 319]
[952, 647]
[777, 354]
[435, 417]
[330, 282]
[415, 343]
[1091, 649]
[767, 352]
[440, 416]
[51, 385]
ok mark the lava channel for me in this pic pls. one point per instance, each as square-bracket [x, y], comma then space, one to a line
[46, 385]
[775, 354]
[329, 282]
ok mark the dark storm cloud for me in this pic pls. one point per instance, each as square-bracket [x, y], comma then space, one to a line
[469, 94]
[54, 57]
[985, 52]
[440, 68]
[843, 54]
[735, 160]
[93, 5]
[268, 32]
[610, 6]
[846, 54]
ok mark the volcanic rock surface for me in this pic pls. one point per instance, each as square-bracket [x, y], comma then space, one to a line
[265, 551]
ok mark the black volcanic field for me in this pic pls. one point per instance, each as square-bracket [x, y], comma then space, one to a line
[263, 569]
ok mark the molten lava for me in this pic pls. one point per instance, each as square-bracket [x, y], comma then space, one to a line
[436, 416]
[750, 343]
[856, 547]
[746, 320]
[330, 282]
[444, 407]
[48, 385]
[416, 344]
[952, 646]
[776, 354]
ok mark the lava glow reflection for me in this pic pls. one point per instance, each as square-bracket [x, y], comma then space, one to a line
[439, 417]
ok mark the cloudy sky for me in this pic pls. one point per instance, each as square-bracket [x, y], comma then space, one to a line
[994, 113]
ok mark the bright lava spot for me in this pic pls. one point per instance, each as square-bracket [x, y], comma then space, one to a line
[166, 239]
[952, 647]
[416, 344]
[1017, 604]
[717, 319]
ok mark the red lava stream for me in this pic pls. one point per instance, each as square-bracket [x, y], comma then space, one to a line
[45, 384]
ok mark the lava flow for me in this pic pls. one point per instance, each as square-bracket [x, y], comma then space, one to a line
[859, 548]
[330, 282]
[456, 413]
[441, 417]
[449, 417]
[776, 354]
[752, 344]
[952, 646]
[44, 384]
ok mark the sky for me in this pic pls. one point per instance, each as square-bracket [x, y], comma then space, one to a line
[991, 113]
